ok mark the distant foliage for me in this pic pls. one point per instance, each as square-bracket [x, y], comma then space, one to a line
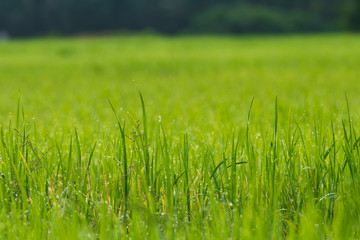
[36, 17]
[253, 18]
[352, 15]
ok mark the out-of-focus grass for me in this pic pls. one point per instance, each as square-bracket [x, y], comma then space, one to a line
[198, 82]
[200, 164]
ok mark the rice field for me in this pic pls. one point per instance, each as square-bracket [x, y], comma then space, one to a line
[187, 137]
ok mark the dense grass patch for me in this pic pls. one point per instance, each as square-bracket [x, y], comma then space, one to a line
[230, 137]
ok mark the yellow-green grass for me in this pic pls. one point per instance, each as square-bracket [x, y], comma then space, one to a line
[250, 136]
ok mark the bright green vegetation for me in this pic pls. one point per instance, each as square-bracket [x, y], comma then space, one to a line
[249, 137]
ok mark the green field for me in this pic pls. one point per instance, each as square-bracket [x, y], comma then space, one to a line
[236, 137]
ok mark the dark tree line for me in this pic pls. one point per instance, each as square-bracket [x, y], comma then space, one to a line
[35, 17]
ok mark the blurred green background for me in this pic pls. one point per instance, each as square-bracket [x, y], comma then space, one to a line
[38, 17]
[203, 83]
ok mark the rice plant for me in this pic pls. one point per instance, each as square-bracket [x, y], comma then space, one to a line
[215, 165]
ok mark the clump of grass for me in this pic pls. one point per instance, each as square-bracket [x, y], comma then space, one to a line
[295, 182]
